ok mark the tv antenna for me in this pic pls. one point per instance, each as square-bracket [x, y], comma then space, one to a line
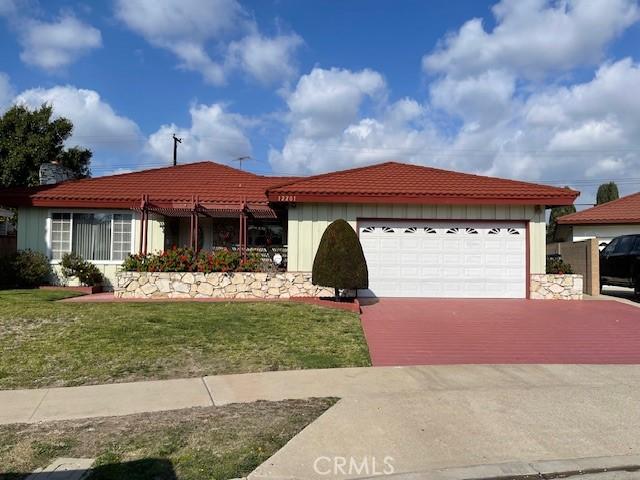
[176, 141]
[242, 159]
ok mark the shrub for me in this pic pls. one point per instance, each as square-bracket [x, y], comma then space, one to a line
[134, 263]
[253, 263]
[340, 262]
[7, 271]
[31, 268]
[73, 265]
[187, 260]
[556, 265]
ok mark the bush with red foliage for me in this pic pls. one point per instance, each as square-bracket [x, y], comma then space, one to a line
[178, 259]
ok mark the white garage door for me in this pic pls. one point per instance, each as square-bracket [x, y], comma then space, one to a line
[444, 258]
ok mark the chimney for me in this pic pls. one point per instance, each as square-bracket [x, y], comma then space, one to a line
[52, 172]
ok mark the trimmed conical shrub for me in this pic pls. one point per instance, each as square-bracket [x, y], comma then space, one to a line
[340, 261]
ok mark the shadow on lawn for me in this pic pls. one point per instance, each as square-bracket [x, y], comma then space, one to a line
[146, 469]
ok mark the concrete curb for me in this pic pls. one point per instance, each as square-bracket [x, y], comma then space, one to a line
[549, 469]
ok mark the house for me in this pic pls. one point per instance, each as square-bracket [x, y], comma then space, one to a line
[425, 232]
[604, 222]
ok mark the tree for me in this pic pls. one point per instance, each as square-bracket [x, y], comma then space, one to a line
[557, 212]
[340, 262]
[29, 138]
[606, 193]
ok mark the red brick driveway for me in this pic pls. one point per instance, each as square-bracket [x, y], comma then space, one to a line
[446, 331]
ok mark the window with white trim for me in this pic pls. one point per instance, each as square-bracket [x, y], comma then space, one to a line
[60, 234]
[121, 236]
[93, 236]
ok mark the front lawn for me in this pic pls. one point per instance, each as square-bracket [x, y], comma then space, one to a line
[199, 443]
[47, 343]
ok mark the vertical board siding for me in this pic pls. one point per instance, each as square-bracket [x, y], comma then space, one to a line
[308, 221]
[32, 229]
[539, 240]
[32, 234]
[293, 238]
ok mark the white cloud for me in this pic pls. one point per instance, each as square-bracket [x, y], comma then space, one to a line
[329, 130]
[214, 134]
[486, 97]
[583, 130]
[119, 146]
[607, 94]
[54, 45]
[588, 130]
[495, 105]
[183, 27]
[96, 124]
[534, 37]
[607, 167]
[211, 37]
[592, 134]
[266, 59]
[165, 21]
[325, 102]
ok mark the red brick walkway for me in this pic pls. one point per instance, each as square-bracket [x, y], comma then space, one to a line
[444, 331]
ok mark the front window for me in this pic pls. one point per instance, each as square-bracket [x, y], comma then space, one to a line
[265, 234]
[93, 236]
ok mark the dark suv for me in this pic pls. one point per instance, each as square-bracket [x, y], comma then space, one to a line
[620, 263]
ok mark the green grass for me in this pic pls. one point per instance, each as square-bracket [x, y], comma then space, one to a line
[47, 343]
[199, 443]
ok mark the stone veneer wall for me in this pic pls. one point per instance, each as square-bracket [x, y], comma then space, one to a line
[217, 285]
[556, 287]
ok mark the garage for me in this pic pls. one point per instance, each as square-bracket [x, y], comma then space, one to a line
[451, 259]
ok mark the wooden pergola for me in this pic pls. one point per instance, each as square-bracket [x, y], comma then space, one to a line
[197, 208]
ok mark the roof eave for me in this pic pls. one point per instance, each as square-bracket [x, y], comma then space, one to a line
[615, 221]
[417, 199]
[126, 203]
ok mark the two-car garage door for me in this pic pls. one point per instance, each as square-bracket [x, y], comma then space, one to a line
[444, 258]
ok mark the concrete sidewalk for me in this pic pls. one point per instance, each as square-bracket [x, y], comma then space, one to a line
[21, 406]
[67, 403]
[417, 418]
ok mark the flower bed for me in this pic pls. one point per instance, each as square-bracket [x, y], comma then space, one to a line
[257, 285]
[188, 260]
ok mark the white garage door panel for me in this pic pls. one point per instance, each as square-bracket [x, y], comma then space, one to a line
[445, 259]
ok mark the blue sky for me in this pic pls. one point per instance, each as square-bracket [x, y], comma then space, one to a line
[531, 89]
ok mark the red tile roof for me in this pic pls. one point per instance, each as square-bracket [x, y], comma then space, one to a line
[168, 186]
[393, 182]
[174, 187]
[623, 210]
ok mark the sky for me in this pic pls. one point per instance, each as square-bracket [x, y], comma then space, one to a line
[544, 91]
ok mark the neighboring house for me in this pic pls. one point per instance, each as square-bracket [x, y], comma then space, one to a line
[425, 232]
[7, 233]
[604, 222]
[7, 228]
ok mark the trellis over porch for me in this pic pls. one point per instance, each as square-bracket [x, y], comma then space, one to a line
[197, 211]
